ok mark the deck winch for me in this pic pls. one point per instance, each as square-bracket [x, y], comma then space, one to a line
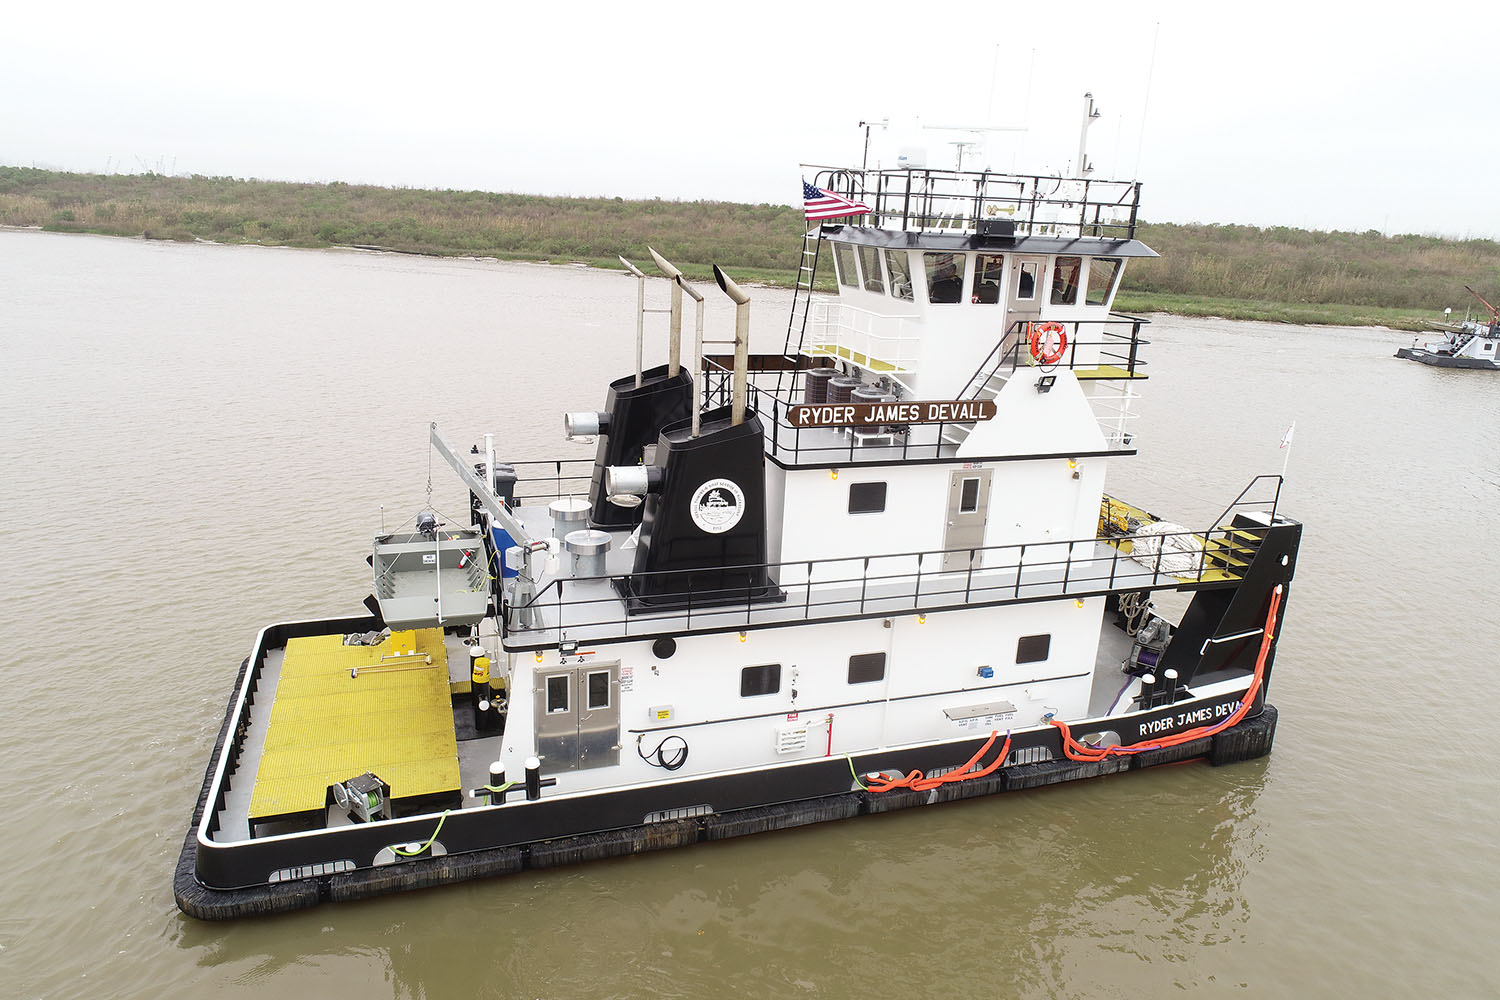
[364, 797]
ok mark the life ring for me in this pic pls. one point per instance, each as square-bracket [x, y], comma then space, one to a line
[1048, 342]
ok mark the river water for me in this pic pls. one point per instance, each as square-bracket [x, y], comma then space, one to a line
[199, 439]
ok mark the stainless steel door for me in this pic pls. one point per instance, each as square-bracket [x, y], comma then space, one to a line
[598, 714]
[968, 502]
[578, 716]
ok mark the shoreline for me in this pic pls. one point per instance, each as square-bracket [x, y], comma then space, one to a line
[1127, 300]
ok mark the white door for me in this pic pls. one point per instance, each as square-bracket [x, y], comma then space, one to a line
[968, 502]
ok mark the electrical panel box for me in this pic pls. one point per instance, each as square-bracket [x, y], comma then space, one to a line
[659, 713]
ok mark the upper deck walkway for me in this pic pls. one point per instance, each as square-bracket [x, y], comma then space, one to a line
[571, 609]
[987, 202]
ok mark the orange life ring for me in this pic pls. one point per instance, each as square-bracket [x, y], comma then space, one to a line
[1048, 342]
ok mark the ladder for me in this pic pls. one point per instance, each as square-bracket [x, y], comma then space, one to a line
[807, 273]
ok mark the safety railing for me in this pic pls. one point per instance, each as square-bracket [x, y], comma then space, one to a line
[922, 200]
[547, 480]
[832, 589]
[875, 341]
[1094, 348]
[1100, 350]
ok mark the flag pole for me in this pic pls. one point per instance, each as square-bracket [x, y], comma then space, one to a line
[1286, 445]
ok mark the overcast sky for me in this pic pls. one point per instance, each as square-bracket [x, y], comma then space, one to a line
[1337, 116]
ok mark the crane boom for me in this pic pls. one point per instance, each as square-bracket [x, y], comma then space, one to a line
[486, 495]
[1494, 313]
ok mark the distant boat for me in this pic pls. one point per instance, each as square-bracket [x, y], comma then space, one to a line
[1470, 344]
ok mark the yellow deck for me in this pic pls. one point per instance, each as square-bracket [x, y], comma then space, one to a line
[394, 719]
[1105, 372]
[866, 361]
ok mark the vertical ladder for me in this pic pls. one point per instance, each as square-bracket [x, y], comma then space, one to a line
[807, 273]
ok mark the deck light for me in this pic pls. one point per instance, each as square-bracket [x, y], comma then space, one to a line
[743, 636]
[921, 619]
[1045, 383]
[833, 473]
[1079, 602]
[539, 656]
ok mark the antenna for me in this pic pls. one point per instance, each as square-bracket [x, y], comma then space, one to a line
[1090, 115]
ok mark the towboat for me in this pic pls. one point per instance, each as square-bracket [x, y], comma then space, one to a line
[1470, 344]
[878, 570]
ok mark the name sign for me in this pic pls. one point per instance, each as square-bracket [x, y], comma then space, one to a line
[953, 411]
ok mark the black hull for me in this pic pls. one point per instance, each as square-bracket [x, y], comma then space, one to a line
[1444, 360]
[546, 834]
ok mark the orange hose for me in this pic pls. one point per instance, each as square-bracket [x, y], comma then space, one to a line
[1078, 751]
[917, 782]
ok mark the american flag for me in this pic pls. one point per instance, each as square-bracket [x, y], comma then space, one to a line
[820, 204]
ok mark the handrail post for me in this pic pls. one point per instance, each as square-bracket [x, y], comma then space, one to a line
[1020, 562]
[864, 584]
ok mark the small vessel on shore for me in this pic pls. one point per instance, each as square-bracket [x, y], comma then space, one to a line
[876, 571]
[1470, 344]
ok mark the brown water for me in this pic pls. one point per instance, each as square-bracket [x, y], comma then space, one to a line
[197, 440]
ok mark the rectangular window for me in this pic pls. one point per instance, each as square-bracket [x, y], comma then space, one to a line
[869, 262]
[1026, 281]
[764, 679]
[1102, 274]
[557, 694]
[843, 261]
[1065, 280]
[968, 500]
[1033, 648]
[866, 667]
[945, 276]
[989, 274]
[866, 498]
[599, 689]
[900, 268]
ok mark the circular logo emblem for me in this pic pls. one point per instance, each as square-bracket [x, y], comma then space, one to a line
[718, 506]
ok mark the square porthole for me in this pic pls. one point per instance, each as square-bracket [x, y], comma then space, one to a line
[759, 680]
[866, 498]
[866, 667]
[1033, 648]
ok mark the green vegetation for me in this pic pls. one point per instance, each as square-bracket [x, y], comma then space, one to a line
[1239, 272]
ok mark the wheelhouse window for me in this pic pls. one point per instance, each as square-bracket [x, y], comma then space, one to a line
[1065, 276]
[989, 275]
[900, 268]
[866, 667]
[866, 498]
[759, 680]
[843, 260]
[1103, 272]
[869, 263]
[1033, 648]
[945, 276]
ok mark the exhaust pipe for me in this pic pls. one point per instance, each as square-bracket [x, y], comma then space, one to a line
[674, 351]
[697, 351]
[741, 343]
[640, 318]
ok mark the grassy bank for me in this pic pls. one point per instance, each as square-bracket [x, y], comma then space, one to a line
[1240, 272]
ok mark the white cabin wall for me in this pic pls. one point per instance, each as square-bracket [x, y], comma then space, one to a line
[701, 683]
[817, 525]
[775, 510]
